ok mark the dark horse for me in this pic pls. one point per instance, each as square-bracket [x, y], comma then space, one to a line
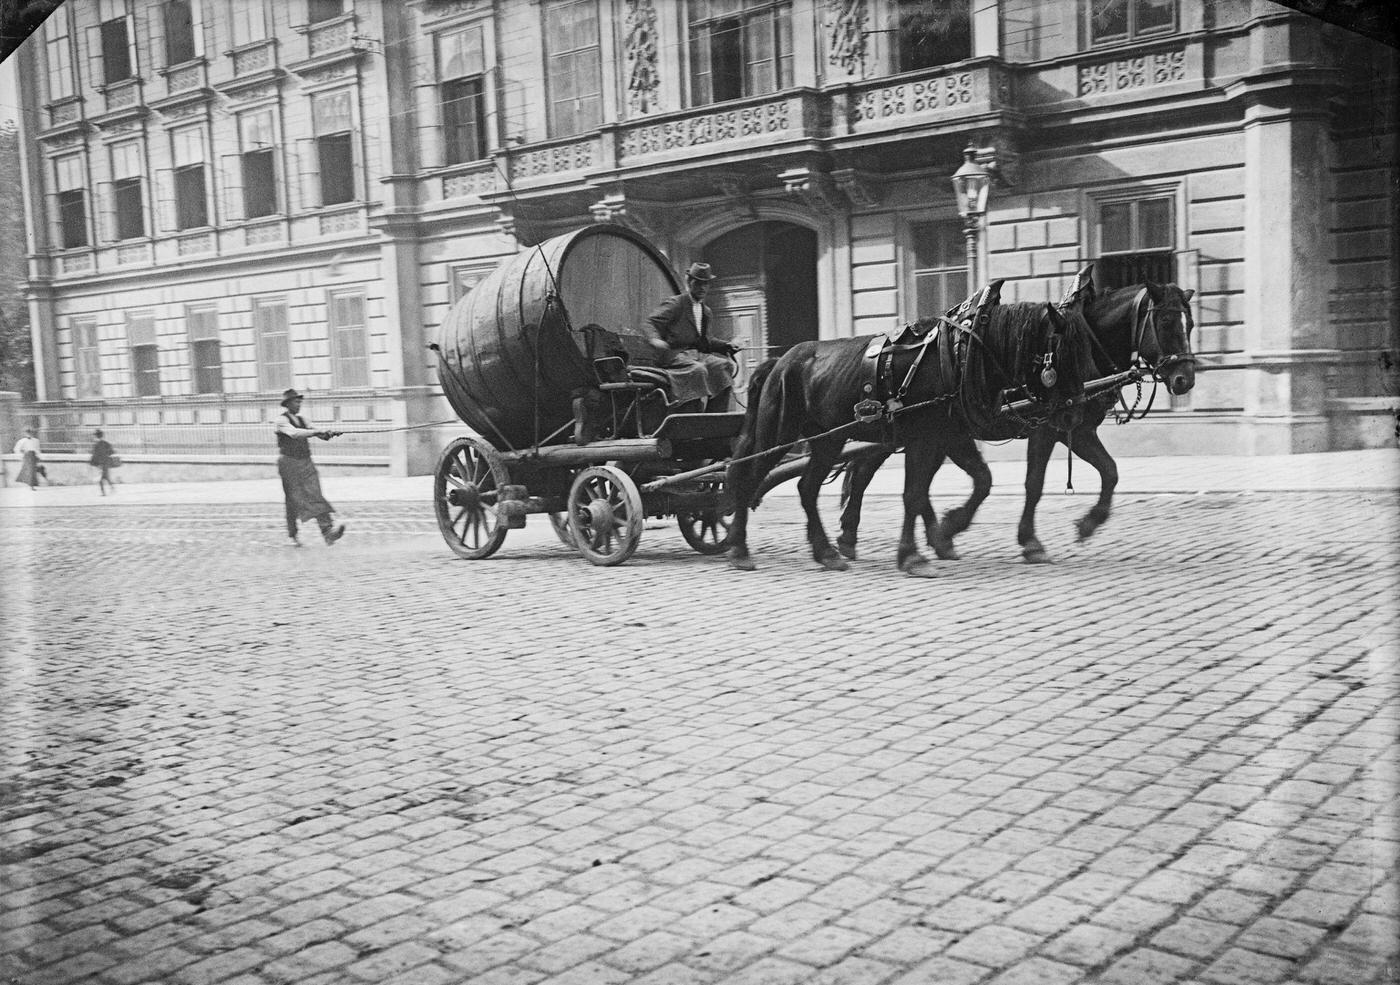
[813, 388]
[1147, 326]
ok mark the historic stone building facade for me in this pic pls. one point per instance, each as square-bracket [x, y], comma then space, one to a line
[230, 197]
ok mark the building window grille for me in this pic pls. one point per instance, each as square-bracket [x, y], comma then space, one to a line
[274, 347]
[191, 203]
[575, 67]
[1136, 243]
[323, 10]
[335, 155]
[87, 360]
[145, 354]
[128, 198]
[179, 31]
[931, 34]
[739, 48]
[116, 54]
[58, 47]
[71, 201]
[1128, 20]
[462, 61]
[349, 343]
[939, 266]
[205, 357]
[258, 165]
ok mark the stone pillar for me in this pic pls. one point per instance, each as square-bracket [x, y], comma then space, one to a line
[1288, 337]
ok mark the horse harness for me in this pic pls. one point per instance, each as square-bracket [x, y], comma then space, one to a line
[952, 336]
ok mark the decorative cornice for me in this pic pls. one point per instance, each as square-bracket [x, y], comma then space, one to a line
[813, 188]
[859, 187]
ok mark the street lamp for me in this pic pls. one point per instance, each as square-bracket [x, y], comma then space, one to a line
[970, 185]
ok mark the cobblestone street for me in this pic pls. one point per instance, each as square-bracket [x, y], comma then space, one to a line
[1171, 756]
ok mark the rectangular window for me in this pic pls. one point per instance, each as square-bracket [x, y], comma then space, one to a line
[739, 48]
[116, 56]
[258, 164]
[72, 201]
[203, 327]
[349, 344]
[88, 360]
[1136, 243]
[145, 354]
[323, 10]
[58, 47]
[179, 31]
[931, 34]
[939, 267]
[462, 67]
[1126, 20]
[274, 348]
[249, 19]
[575, 70]
[335, 154]
[191, 204]
[127, 197]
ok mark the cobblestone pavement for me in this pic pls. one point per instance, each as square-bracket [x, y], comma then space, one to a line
[1169, 757]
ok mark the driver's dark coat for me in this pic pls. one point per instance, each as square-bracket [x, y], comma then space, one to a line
[674, 322]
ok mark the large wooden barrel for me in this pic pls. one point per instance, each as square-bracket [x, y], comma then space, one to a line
[510, 354]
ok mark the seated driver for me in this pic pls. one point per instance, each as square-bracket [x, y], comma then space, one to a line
[700, 367]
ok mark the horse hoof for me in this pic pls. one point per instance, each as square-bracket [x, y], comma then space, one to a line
[833, 562]
[1085, 529]
[846, 550]
[1036, 557]
[744, 563]
[949, 553]
[919, 569]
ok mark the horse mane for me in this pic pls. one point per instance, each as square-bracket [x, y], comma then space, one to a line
[1015, 328]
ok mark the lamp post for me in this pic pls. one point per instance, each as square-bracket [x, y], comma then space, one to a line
[970, 185]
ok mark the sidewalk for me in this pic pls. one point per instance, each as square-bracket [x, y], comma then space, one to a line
[1376, 469]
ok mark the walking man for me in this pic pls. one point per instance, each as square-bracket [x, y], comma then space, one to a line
[101, 460]
[300, 482]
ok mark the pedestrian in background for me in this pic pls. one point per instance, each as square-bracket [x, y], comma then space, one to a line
[301, 484]
[30, 468]
[101, 459]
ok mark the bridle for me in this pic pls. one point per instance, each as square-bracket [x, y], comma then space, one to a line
[1160, 366]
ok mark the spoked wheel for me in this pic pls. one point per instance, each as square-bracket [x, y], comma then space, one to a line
[466, 491]
[560, 523]
[605, 515]
[706, 531]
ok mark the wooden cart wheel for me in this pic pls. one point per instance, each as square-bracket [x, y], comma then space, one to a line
[605, 515]
[466, 488]
[560, 523]
[706, 531]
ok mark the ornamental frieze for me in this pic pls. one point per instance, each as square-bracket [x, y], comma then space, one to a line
[1132, 73]
[711, 128]
[548, 160]
[910, 98]
[462, 185]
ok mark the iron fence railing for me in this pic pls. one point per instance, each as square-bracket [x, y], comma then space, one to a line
[201, 427]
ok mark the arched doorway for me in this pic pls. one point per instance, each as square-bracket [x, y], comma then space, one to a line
[765, 293]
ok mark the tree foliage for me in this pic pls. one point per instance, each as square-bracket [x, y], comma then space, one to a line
[16, 351]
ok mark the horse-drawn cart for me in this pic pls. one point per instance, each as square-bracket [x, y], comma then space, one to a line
[545, 361]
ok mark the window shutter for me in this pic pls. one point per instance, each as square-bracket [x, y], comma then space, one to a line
[231, 187]
[308, 173]
[106, 207]
[94, 56]
[165, 200]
